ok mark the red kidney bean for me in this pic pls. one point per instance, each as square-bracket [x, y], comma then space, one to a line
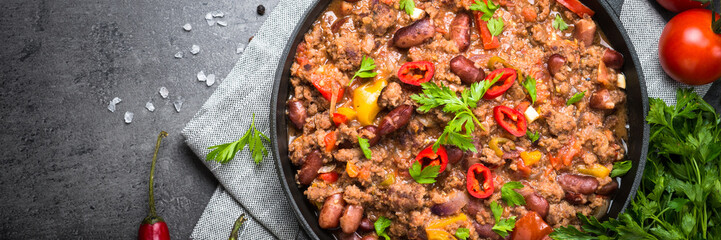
[395, 119]
[369, 132]
[331, 211]
[577, 183]
[612, 59]
[466, 70]
[454, 153]
[414, 34]
[370, 237]
[575, 198]
[536, 203]
[351, 218]
[460, 31]
[297, 114]
[486, 231]
[608, 189]
[602, 100]
[309, 171]
[366, 225]
[585, 31]
[555, 63]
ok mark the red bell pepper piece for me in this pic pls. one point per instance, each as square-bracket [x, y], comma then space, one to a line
[415, 73]
[329, 177]
[508, 76]
[531, 227]
[429, 158]
[577, 7]
[474, 186]
[153, 226]
[523, 106]
[339, 119]
[524, 170]
[329, 141]
[513, 121]
[326, 89]
[489, 41]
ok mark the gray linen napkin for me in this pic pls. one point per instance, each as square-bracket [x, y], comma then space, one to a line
[255, 189]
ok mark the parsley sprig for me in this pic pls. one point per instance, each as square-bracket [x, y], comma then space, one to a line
[223, 153]
[425, 175]
[576, 98]
[502, 226]
[495, 26]
[435, 96]
[463, 233]
[380, 226]
[558, 23]
[365, 147]
[533, 136]
[620, 168]
[486, 9]
[530, 86]
[408, 6]
[510, 196]
[680, 192]
[366, 69]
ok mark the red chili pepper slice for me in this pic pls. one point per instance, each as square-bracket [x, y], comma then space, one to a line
[415, 73]
[429, 158]
[475, 187]
[513, 121]
[329, 177]
[339, 119]
[508, 76]
[489, 41]
[576, 7]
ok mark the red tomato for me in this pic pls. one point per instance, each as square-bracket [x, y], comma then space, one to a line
[689, 50]
[680, 5]
[531, 227]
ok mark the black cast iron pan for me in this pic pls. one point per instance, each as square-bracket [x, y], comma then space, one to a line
[637, 104]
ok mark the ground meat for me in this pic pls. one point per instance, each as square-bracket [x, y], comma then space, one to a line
[561, 121]
[381, 19]
[345, 51]
[404, 197]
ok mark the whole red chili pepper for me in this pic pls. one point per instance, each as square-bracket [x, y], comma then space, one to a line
[508, 76]
[513, 121]
[415, 73]
[476, 188]
[153, 226]
[428, 158]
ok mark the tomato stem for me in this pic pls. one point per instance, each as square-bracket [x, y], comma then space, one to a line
[151, 200]
[715, 24]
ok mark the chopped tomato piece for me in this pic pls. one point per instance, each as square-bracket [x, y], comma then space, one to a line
[329, 141]
[339, 119]
[531, 227]
[489, 41]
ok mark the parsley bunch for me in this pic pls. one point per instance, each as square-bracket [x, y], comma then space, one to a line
[680, 193]
[223, 153]
[435, 96]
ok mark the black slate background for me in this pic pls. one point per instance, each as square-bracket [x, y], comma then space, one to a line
[71, 169]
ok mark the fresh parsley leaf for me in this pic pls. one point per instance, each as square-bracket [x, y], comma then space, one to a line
[366, 69]
[426, 175]
[497, 210]
[495, 26]
[435, 96]
[223, 153]
[576, 97]
[533, 136]
[365, 147]
[380, 226]
[530, 86]
[504, 226]
[408, 6]
[620, 168]
[463, 233]
[559, 24]
[511, 197]
[487, 9]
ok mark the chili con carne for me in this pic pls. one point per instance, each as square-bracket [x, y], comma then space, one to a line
[513, 121]
[508, 76]
[415, 73]
[429, 158]
[476, 188]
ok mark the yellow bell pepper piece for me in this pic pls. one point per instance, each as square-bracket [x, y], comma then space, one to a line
[597, 170]
[443, 222]
[365, 101]
[530, 158]
[435, 234]
[349, 113]
[352, 169]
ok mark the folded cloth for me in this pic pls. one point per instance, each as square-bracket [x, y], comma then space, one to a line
[255, 189]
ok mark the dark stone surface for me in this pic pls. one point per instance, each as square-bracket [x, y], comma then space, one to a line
[72, 169]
